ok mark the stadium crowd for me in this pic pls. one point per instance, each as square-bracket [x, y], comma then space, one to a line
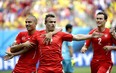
[77, 12]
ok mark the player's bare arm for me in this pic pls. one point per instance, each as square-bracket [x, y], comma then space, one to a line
[109, 48]
[88, 36]
[25, 49]
[19, 47]
[11, 55]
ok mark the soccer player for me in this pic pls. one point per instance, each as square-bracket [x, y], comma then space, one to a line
[67, 52]
[50, 55]
[101, 61]
[29, 51]
[27, 61]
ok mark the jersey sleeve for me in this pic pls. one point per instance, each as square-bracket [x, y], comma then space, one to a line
[67, 36]
[18, 38]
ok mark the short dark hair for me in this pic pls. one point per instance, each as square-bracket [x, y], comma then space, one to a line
[103, 13]
[49, 15]
[68, 26]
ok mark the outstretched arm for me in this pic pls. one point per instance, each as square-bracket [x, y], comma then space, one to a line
[80, 37]
[87, 42]
[88, 36]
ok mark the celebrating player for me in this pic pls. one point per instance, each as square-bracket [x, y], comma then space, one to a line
[101, 61]
[50, 56]
[29, 51]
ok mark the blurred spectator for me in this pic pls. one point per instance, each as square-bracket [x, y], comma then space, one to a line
[78, 12]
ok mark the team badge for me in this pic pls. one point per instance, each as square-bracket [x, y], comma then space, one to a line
[23, 38]
[106, 35]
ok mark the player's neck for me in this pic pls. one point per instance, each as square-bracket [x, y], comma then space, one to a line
[101, 29]
[31, 32]
[47, 31]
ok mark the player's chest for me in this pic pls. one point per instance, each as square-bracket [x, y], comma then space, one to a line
[25, 38]
[54, 40]
[106, 38]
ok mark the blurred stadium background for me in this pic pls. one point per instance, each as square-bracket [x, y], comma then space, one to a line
[79, 13]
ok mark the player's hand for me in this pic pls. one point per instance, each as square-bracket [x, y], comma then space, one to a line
[96, 34]
[48, 38]
[84, 49]
[107, 48]
[8, 56]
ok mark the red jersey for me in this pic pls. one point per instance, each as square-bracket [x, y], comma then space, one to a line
[30, 58]
[51, 54]
[98, 43]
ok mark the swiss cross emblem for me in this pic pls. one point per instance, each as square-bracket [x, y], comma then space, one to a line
[106, 35]
[23, 38]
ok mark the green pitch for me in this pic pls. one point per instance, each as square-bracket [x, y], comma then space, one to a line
[87, 70]
[76, 70]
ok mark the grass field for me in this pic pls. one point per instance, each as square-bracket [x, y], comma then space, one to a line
[77, 70]
[87, 70]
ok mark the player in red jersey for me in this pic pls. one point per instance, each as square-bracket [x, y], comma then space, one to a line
[50, 55]
[101, 61]
[27, 61]
[29, 54]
